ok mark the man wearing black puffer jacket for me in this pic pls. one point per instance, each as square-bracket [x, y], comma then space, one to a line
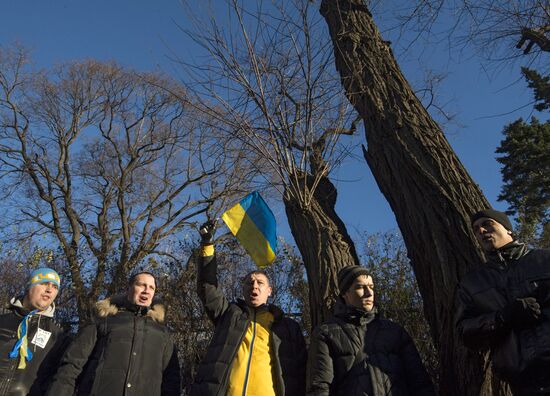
[357, 353]
[127, 351]
[255, 350]
[31, 342]
[505, 305]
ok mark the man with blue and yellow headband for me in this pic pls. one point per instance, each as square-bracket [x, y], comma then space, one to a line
[31, 342]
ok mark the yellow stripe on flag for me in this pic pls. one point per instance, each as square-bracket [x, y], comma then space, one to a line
[249, 236]
[234, 218]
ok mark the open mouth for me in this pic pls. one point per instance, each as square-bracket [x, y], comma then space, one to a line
[143, 299]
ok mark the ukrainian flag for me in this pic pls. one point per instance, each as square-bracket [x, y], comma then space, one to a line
[253, 223]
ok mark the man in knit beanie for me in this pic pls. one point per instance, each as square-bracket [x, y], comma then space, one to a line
[504, 306]
[356, 352]
[31, 342]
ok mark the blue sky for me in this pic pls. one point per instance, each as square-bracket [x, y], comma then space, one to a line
[143, 34]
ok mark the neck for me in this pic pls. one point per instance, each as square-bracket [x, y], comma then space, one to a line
[27, 305]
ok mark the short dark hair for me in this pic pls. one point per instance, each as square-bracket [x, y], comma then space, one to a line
[134, 276]
[256, 272]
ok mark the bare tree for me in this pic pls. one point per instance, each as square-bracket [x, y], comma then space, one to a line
[495, 28]
[428, 189]
[105, 161]
[271, 73]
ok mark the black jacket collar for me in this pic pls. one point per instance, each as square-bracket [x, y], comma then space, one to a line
[509, 252]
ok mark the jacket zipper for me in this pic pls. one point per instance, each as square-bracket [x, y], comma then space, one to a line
[245, 385]
[228, 371]
[131, 355]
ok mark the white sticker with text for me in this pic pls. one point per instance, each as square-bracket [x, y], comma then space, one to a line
[41, 338]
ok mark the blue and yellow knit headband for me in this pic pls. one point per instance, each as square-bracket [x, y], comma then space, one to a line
[44, 275]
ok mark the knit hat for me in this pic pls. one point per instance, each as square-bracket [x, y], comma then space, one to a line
[43, 275]
[499, 217]
[347, 275]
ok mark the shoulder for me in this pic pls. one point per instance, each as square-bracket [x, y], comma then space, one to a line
[6, 311]
[290, 324]
[537, 253]
[157, 312]
[329, 327]
[107, 307]
[280, 317]
[388, 326]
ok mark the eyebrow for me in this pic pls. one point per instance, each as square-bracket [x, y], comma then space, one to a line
[141, 283]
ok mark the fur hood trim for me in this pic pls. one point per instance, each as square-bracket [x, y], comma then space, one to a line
[111, 305]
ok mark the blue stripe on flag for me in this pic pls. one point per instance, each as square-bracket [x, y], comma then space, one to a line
[262, 216]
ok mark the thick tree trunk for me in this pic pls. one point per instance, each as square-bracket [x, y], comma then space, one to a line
[430, 192]
[324, 244]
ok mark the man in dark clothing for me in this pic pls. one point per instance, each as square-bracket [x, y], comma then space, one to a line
[357, 353]
[31, 342]
[255, 349]
[127, 351]
[505, 305]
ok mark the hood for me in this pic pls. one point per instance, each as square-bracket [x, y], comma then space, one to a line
[16, 304]
[112, 305]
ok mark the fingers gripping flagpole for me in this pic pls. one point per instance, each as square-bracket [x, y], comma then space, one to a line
[254, 226]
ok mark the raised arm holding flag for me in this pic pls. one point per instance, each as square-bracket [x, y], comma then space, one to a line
[255, 349]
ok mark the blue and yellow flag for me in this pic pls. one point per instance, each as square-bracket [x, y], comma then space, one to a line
[253, 223]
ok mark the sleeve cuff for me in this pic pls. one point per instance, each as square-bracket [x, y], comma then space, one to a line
[207, 250]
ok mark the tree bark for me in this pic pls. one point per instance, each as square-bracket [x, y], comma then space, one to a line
[324, 244]
[428, 189]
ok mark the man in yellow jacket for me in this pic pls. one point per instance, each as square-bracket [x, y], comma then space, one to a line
[255, 349]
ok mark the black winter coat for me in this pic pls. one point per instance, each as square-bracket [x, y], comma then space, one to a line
[520, 356]
[35, 378]
[357, 353]
[231, 321]
[127, 351]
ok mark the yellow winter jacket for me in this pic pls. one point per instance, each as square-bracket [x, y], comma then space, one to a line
[251, 371]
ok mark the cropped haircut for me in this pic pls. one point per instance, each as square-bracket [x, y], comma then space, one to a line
[256, 272]
[134, 276]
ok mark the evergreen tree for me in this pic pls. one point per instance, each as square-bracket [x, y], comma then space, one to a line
[540, 86]
[525, 158]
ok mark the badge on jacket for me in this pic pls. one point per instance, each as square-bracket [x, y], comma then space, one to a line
[41, 338]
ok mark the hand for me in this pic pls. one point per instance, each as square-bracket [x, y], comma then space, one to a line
[206, 231]
[521, 313]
